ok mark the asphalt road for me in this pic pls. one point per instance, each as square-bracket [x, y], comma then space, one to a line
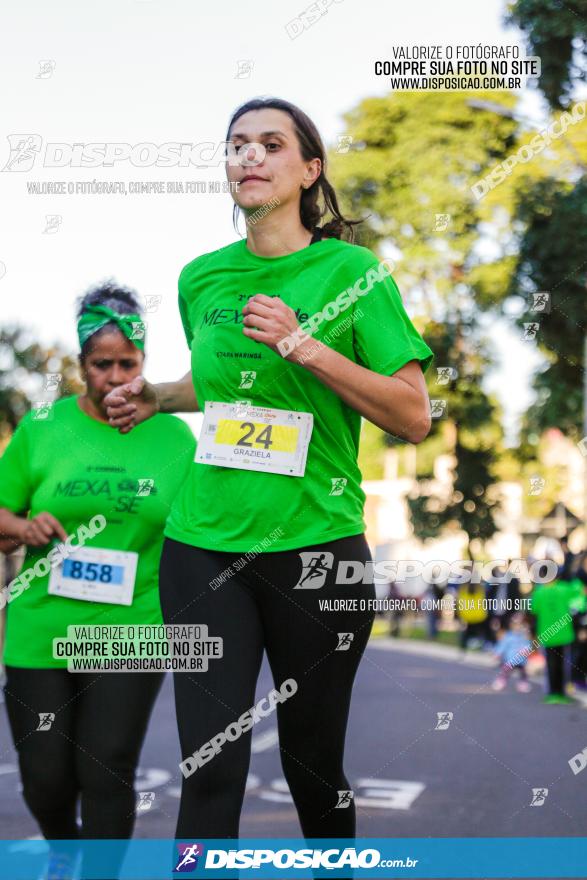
[413, 773]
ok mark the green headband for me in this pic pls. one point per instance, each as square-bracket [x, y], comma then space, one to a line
[93, 318]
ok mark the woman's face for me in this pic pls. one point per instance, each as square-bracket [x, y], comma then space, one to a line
[282, 172]
[112, 360]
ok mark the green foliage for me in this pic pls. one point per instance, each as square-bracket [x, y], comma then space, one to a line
[556, 32]
[414, 158]
[552, 258]
[22, 365]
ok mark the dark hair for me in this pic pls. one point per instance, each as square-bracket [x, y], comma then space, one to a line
[109, 293]
[311, 147]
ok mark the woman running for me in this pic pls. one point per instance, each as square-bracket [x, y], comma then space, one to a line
[79, 735]
[270, 522]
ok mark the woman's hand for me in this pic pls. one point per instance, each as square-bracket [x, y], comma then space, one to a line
[38, 531]
[267, 319]
[130, 404]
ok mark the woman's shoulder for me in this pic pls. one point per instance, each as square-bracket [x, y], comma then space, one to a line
[355, 257]
[43, 412]
[204, 261]
[171, 426]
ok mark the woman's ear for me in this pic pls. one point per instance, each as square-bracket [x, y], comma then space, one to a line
[312, 173]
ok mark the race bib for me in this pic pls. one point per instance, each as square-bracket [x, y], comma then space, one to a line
[94, 574]
[255, 438]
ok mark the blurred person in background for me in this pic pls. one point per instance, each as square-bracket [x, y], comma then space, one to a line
[512, 649]
[502, 595]
[553, 606]
[578, 574]
[472, 613]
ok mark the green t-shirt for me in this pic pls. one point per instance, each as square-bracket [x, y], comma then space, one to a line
[230, 509]
[552, 604]
[75, 467]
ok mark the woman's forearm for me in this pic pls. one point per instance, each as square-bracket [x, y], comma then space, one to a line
[177, 396]
[11, 530]
[390, 402]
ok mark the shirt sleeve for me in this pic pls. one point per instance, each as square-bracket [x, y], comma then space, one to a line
[16, 487]
[185, 319]
[384, 337]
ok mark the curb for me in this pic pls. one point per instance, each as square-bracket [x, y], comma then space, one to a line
[453, 655]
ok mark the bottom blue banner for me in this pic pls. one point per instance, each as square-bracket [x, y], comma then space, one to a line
[412, 857]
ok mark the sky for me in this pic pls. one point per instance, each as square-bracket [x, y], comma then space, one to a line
[159, 71]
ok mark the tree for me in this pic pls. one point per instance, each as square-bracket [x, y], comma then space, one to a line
[552, 259]
[413, 163]
[473, 435]
[556, 32]
[23, 364]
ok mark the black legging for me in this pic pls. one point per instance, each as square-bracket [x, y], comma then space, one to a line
[255, 609]
[90, 751]
[555, 667]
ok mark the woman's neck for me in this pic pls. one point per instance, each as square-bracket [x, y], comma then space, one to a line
[272, 237]
[91, 409]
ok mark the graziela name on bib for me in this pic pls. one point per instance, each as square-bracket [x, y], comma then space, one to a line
[251, 453]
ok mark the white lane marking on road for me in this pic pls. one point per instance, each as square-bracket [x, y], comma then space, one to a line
[379, 794]
[151, 777]
[262, 742]
[387, 794]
